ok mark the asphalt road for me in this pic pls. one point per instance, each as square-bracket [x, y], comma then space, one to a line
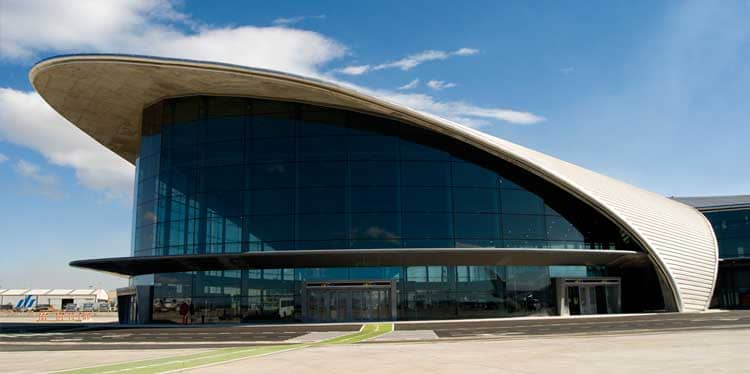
[585, 325]
[108, 337]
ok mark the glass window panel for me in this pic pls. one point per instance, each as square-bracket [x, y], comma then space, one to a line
[426, 199]
[322, 200]
[427, 225]
[477, 226]
[425, 173]
[150, 145]
[226, 153]
[374, 173]
[413, 151]
[147, 190]
[558, 228]
[321, 148]
[321, 226]
[521, 202]
[373, 148]
[148, 166]
[322, 122]
[222, 178]
[222, 106]
[269, 228]
[374, 199]
[222, 129]
[224, 204]
[321, 244]
[273, 127]
[271, 150]
[475, 200]
[260, 107]
[183, 134]
[469, 174]
[276, 201]
[273, 175]
[375, 226]
[523, 226]
[184, 180]
[187, 109]
[322, 173]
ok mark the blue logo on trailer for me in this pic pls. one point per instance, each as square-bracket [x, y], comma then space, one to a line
[26, 302]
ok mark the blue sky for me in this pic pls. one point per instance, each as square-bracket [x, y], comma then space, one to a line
[651, 93]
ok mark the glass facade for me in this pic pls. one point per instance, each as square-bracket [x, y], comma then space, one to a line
[228, 175]
[732, 229]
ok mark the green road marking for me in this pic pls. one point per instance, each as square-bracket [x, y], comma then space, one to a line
[184, 362]
[160, 365]
[368, 331]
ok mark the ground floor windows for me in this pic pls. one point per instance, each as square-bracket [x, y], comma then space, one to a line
[384, 293]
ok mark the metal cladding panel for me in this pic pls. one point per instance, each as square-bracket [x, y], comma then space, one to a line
[104, 95]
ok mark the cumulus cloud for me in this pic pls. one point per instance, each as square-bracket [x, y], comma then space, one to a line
[151, 27]
[439, 85]
[282, 21]
[408, 62]
[45, 184]
[25, 119]
[411, 85]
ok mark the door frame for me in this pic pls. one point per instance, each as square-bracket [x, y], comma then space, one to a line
[562, 284]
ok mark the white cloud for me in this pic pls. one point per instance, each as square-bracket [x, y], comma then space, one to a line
[466, 52]
[408, 62]
[282, 21]
[354, 69]
[61, 143]
[3, 158]
[45, 184]
[411, 85]
[439, 85]
[567, 70]
[457, 111]
[151, 27]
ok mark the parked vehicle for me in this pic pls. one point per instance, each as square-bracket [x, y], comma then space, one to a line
[102, 306]
[42, 308]
[87, 307]
[71, 308]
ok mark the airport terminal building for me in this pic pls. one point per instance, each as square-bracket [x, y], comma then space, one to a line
[264, 196]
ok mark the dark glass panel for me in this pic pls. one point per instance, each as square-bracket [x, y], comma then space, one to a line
[517, 226]
[322, 122]
[187, 109]
[374, 199]
[272, 175]
[425, 173]
[322, 200]
[223, 106]
[224, 204]
[413, 151]
[521, 202]
[271, 150]
[321, 148]
[331, 173]
[223, 129]
[264, 107]
[475, 200]
[373, 147]
[558, 228]
[222, 178]
[182, 134]
[425, 199]
[427, 225]
[225, 153]
[472, 175]
[147, 189]
[382, 227]
[150, 145]
[269, 228]
[272, 126]
[374, 173]
[275, 201]
[321, 226]
[477, 226]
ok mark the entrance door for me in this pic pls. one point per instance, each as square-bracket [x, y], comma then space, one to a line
[333, 302]
[589, 296]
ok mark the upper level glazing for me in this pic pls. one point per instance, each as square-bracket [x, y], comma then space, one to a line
[224, 174]
[732, 229]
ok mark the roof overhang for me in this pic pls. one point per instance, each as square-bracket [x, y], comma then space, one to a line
[363, 257]
[104, 95]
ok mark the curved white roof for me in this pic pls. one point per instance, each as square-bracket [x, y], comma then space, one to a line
[104, 95]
